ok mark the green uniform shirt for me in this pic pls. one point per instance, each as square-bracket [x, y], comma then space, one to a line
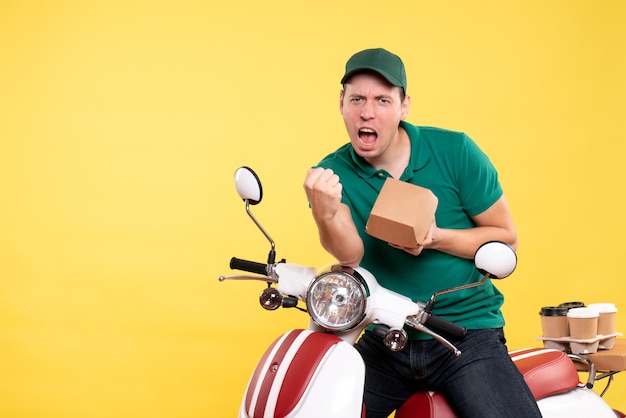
[466, 184]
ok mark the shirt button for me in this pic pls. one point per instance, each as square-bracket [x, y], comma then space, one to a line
[381, 175]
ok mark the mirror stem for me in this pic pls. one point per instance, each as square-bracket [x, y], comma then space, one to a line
[272, 254]
[431, 303]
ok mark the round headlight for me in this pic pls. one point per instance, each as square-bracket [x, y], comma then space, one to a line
[336, 300]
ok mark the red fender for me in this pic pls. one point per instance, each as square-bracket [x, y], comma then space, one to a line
[309, 351]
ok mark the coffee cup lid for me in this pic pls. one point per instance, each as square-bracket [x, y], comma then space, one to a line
[553, 311]
[603, 307]
[570, 305]
[582, 313]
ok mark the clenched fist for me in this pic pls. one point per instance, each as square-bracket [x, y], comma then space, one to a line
[323, 190]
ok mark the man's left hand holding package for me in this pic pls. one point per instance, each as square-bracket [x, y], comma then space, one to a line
[402, 214]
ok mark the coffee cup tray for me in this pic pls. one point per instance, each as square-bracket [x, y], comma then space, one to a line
[581, 346]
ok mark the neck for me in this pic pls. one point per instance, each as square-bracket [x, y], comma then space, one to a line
[396, 157]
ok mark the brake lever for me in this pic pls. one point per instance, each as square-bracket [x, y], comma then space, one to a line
[265, 279]
[413, 322]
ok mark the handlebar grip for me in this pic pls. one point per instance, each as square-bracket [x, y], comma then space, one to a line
[249, 266]
[439, 324]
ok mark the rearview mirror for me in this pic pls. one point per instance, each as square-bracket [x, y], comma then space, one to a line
[495, 258]
[248, 185]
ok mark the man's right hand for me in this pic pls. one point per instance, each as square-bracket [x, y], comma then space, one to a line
[338, 234]
[323, 190]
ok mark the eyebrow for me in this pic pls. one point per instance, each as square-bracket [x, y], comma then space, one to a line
[380, 96]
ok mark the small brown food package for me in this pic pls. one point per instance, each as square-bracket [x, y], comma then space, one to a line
[402, 213]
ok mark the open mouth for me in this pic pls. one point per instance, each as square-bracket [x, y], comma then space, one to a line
[367, 135]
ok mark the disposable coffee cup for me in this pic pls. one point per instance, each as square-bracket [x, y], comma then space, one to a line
[570, 305]
[607, 315]
[554, 321]
[583, 323]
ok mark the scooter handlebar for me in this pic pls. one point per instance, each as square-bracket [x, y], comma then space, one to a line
[249, 266]
[444, 326]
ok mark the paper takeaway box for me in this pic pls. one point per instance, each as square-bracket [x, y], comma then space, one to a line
[402, 213]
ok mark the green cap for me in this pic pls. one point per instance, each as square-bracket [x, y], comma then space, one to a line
[380, 60]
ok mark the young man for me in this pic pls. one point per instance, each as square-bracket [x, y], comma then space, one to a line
[483, 381]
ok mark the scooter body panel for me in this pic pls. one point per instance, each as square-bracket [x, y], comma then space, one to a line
[306, 374]
[577, 403]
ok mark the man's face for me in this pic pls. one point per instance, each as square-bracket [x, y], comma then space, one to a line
[372, 110]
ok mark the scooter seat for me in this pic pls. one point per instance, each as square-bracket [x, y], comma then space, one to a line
[546, 371]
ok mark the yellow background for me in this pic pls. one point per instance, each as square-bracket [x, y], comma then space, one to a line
[122, 122]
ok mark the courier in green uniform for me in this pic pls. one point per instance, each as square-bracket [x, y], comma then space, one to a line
[342, 188]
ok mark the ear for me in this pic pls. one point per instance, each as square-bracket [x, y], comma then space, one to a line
[341, 93]
[405, 107]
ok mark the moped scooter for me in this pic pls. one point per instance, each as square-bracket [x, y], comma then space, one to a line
[317, 372]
